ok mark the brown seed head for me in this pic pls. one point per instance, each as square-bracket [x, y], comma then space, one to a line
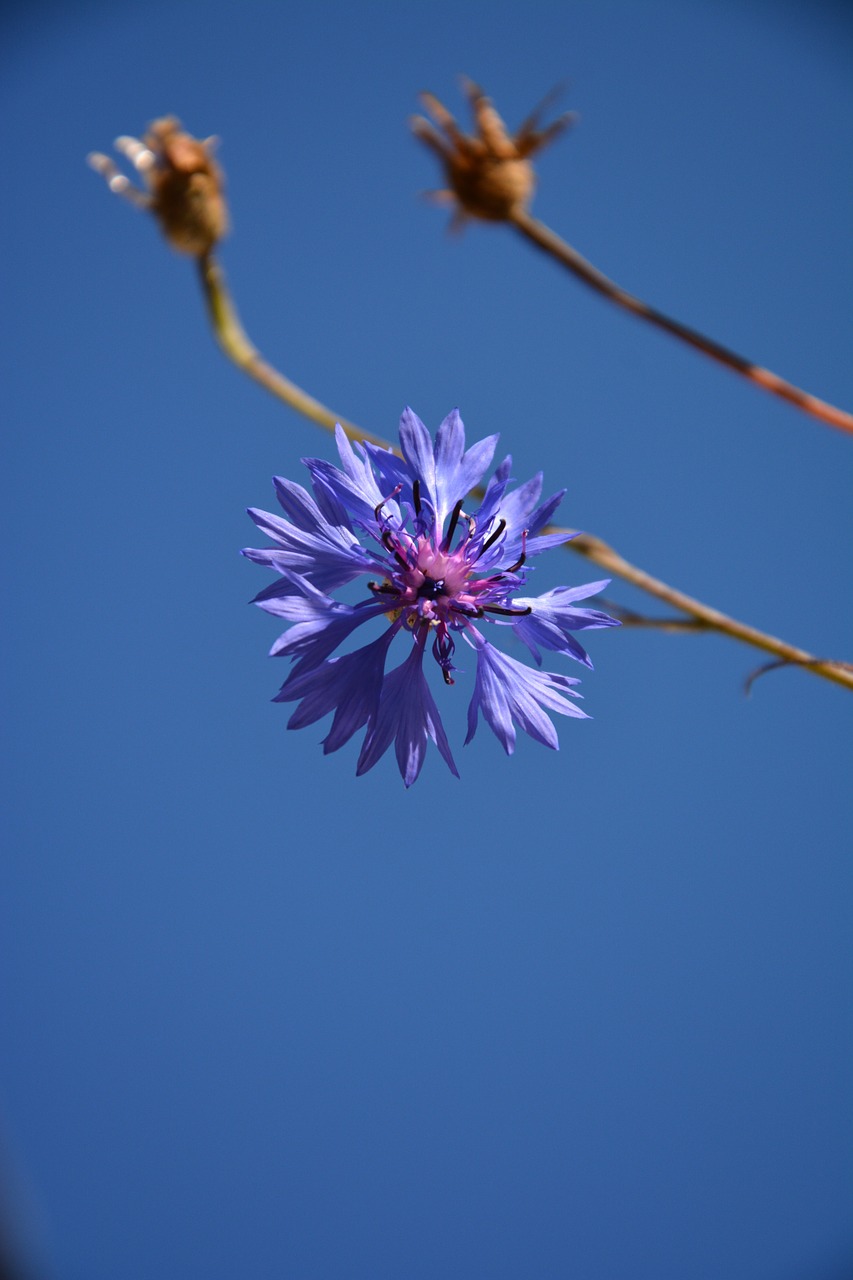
[183, 184]
[489, 172]
[186, 188]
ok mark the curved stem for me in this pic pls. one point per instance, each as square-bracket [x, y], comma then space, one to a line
[235, 343]
[595, 549]
[549, 242]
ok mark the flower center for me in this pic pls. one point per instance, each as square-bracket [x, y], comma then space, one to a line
[431, 587]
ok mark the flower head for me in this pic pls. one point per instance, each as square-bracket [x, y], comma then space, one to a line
[183, 184]
[435, 573]
[489, 173]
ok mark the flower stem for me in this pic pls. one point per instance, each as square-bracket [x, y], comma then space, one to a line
[235, 343]
[549, 242]
[597, 550]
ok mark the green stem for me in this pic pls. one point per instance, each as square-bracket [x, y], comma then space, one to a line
[234, 341]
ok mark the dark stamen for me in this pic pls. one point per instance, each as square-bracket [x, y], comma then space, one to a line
[454, 516]
[416, 494]
[520, 561]
[383, 588]
[474, 612]
[509, 613]
[388, 544]
[493, 537]
[448, 678]
[381, 504]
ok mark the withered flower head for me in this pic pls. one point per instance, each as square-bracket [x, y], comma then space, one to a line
[489, 172]
[183, 184]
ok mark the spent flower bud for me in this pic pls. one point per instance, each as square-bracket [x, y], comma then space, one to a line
[489, 172]
[183, 184]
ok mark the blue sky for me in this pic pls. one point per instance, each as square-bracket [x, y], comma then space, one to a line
[580, 1014]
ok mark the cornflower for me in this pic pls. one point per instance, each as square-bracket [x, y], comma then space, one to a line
[435, 573]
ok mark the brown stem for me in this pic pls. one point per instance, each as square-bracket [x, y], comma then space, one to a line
[595, 549]
[549, 242]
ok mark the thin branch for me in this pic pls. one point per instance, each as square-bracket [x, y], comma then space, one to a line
[630, 618]
[235, 343]
[595, 549]
[550, 243]
[233, 340]
[784, 662]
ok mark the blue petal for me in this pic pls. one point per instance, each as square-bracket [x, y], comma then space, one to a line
[416, 444]
[350, 686]
[324, 569]
[553, 617]
[328, 554]
[516, 506]
[457, 472]
[407, 715]
[545, 541]
[544, 511]
[506, 690]
[390, 470]
[298, 504]
[320, 623]
[493, 496]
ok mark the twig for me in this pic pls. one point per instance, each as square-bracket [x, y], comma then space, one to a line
[785, 662]
[549, 242]
[595, 549]
[490, 176]
[630, 618]
[234, 342]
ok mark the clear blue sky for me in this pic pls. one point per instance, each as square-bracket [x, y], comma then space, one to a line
[579, 1015]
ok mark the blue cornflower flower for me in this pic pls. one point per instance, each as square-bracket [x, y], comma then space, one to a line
[437, 570]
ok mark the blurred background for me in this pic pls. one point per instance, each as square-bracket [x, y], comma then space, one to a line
[580, 1014]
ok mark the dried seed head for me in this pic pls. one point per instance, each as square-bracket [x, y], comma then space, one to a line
[489, 172]
[183, 184]
[186, 187]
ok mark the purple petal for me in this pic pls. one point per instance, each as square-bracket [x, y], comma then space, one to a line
[350, 686]
[320, 623]
[298, 504]
[457, 472]
[545, 541]
[317, 559]
[517, 505]
[506, 690]
[449, 444]
[390, 470]
[542, 515]
[407, 715]
[552, 618]
[495, 490]
[417, 449]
